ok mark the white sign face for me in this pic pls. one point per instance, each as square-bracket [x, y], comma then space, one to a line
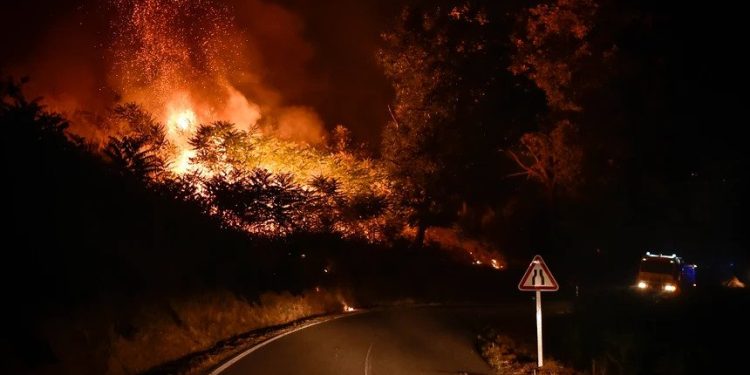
[538, 277]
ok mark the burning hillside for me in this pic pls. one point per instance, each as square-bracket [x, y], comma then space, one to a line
[195, 114]
[179, 65]
[181, 61]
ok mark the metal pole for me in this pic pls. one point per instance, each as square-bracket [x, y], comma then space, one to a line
[539, 355]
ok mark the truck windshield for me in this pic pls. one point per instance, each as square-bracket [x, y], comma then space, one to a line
[657, 266]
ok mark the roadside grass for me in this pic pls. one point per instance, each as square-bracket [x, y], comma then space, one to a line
[507, 357]
[619, 332]
[95, 343]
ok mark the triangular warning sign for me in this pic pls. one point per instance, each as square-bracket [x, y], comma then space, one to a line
[538, 277]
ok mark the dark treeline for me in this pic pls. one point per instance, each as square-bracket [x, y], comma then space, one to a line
[591, 131]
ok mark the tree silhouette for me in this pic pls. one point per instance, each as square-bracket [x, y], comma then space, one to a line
[552, 49]
[366, 206]
[131, 156]
[418, 58]
[27, 118]
[325, 204]
[553, 159]
[141, 125]
[259, 200]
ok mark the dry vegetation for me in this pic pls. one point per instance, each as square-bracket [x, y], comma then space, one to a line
[509, 358]
[163, 332]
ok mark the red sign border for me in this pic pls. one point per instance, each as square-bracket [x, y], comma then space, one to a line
[526, 275]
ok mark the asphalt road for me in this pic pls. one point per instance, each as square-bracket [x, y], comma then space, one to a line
[418, 340]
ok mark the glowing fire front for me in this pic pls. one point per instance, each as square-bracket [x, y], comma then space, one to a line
[183, 116]
[183, 62]
[183, 120]
[175, 59]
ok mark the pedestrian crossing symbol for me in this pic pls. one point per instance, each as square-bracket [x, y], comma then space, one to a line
[538, 277]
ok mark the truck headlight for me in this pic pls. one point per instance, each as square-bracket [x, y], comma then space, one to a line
[642, 285]
[669, 288]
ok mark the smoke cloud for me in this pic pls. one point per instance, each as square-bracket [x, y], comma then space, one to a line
[301, 124]
[238, 59]
[224, 61]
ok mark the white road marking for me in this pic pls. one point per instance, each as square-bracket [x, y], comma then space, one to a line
[367, 360]
[244, 354]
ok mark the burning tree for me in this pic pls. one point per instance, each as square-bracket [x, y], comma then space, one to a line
[219, 147]
[255, 181]
[195, 136]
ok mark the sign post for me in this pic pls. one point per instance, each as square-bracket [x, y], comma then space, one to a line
[538, 279]
[539, 356]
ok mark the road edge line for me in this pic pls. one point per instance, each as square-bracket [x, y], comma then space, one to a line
[237, 358]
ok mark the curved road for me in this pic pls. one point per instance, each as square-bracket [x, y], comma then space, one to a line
[418, 340]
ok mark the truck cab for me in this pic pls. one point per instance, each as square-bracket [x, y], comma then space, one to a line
[667, 274]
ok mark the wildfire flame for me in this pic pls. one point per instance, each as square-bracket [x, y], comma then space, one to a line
[184, 62]
[176, 60]
[477, 252]
[183, 163]
[183, 120]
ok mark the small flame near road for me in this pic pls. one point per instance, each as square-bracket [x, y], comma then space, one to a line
[348, 308]
[496, 265]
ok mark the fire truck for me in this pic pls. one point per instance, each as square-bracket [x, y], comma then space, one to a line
[668, 274]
